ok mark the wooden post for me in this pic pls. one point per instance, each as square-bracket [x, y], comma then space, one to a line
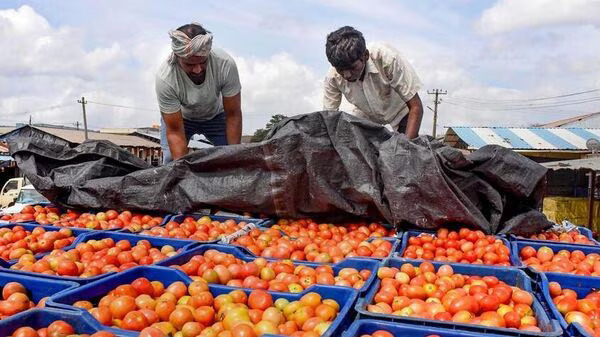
[591, 195]
[83, 103]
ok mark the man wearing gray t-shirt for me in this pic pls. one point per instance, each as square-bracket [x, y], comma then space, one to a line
[198, 90]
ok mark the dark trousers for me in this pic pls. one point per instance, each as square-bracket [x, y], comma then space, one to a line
[403, 124]
[213, 130]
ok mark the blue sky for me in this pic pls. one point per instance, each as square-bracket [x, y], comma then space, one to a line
[496, 52]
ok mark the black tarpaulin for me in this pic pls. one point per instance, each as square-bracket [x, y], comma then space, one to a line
[324, 165]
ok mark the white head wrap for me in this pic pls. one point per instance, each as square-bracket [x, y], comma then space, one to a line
[183, 46]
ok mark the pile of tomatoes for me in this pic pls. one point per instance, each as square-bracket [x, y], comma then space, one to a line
[444, 295]
[203, 229]
[564, 261]
[95, 257]
[221, 268]
[17, 242]
[311, 229]
[194, 311]
[56, 329]
[329, 246]
[464, 246]
[585, 311]
[110, 219]
[15, 299]
[42, 214]
[572, 236]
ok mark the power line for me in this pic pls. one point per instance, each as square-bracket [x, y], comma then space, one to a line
[542, 104]
[517, 108]
[122, 106]
[516, 100]
[52, 107]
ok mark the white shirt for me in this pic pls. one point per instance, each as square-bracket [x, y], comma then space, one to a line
[389, 82]
[199, 102]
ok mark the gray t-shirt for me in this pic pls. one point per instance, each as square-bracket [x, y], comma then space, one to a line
[175, 91]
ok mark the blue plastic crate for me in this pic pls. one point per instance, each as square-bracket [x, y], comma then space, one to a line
[98, 235]
[556, 247]
[41, 318]
[357, 263]
[395, 243]
[582, 230]
[576, 330]
[410, 233]
[511, 276]
[37, 287]
[368, 326]
[31, 226]
[580, 284]
[94, 291]
[587, 232]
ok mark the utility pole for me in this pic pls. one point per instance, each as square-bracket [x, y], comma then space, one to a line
[436, 101]
[83, 103]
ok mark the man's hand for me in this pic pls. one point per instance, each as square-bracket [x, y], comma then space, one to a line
[233, 118]
[415, 114]
[176, 134]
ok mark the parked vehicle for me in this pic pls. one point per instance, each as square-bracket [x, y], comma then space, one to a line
[10, 191]
[28, 195]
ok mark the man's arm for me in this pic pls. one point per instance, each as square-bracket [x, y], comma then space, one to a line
[404, 80]
[415, 115]
[332, 95]
[175, 134]
[233, 118]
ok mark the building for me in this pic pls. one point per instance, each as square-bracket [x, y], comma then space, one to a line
[555, 144]
[143, 142]
[584, 121]
[541, 144]
[141, 147]
[153, 134]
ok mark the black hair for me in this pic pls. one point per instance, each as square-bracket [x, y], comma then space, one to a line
[344, 47]
[192, 30]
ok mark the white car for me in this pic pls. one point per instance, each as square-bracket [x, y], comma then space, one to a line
[27, 196]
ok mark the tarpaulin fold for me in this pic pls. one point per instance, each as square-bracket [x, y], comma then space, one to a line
[327, 165]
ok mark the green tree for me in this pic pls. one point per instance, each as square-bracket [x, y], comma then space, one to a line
[260, 134]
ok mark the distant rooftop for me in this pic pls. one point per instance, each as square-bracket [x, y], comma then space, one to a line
[566, 121]
[533, 138]
[77, 136]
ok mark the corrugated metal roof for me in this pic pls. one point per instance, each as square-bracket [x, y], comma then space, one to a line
[575, 164]
[523, 138]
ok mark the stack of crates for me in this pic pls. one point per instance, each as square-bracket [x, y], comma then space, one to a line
[354, 319]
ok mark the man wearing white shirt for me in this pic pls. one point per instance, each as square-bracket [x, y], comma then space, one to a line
[377, 80]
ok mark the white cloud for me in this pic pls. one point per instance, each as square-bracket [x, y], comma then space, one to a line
[58, 70]
[508, 15]
[278, 85]
[48, 62]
